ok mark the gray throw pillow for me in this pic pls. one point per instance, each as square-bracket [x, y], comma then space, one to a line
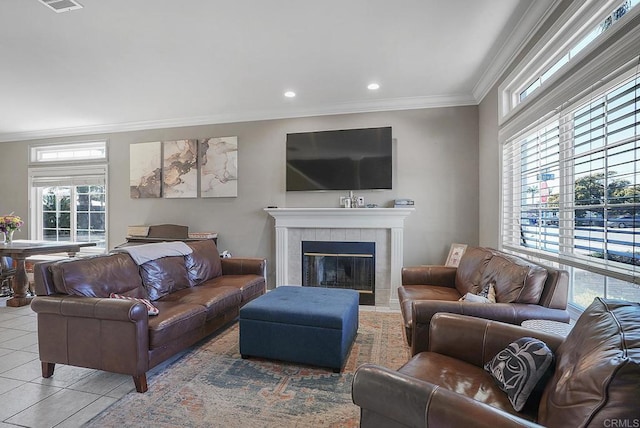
[518, 368]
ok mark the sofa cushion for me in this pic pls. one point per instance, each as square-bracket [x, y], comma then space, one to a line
[597, 376]
[175, 320]
[98, 276]
[250, 286]
[204, 262]
[515, 279]
[216, 300]
[519, 367]
[163, 276]
[463, 378]
[470, 270]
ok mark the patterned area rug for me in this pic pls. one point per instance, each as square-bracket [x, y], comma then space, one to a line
[211, 386]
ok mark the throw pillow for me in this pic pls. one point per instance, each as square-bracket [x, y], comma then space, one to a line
[518, 368]
[474, 298]
[151, 310]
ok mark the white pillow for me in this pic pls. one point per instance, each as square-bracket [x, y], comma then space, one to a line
[474, 298]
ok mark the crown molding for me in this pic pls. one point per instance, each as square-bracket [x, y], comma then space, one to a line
[406, 103]
[530, 22]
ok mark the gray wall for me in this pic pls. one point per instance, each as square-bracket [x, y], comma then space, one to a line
[436, 164]
[489, 161]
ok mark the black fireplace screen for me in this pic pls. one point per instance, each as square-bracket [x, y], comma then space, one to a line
[340, 265]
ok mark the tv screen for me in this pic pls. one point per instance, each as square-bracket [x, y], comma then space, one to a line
[349, 159]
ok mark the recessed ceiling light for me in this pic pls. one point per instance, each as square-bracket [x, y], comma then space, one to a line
[289, 94]
[373, 86]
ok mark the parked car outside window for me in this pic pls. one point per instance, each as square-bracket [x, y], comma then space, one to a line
[625, 220]
[589, 218]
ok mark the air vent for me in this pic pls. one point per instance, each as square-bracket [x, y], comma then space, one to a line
[60, 6]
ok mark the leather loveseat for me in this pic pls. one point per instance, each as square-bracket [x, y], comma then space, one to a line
[196, 294]
[592, 381]
[524, 290]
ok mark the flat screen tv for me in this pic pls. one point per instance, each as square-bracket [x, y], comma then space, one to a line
[348, 159]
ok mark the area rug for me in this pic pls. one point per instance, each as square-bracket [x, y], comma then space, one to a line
[212, 386]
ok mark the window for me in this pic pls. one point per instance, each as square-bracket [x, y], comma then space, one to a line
[570, 53]
[571, 192]
[68, 200]
[584, 30]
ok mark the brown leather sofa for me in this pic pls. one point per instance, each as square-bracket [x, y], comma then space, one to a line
[524, 290]
[196, 294]
[593, 381]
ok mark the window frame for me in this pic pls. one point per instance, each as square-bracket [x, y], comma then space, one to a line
[71, 173]
[578, 20]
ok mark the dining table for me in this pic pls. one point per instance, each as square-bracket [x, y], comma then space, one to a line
[20, 249]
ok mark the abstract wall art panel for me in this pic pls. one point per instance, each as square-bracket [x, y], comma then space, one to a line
[144, 170]
[219, 167]
[180, 169]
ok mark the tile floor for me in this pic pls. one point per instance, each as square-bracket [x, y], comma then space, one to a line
[71, 397]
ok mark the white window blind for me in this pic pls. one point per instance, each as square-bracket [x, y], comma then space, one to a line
[571, 186]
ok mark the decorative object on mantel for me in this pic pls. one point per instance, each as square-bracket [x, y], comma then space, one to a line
[145, 166]
[180, 169]
[219, 167]
[8, 225]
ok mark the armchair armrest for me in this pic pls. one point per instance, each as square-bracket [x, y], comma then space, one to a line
[429, 275]
[244, 266]
[512, 313]
[387, 395]
[477, 340]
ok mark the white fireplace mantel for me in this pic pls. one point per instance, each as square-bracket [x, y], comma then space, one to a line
[341, 218]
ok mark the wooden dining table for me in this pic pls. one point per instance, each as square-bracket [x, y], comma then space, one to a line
[20, 249]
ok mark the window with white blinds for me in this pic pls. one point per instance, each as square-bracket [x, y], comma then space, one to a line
[571, 191]
[69, 203]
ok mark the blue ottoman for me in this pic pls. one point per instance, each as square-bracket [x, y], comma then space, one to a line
[307, 325]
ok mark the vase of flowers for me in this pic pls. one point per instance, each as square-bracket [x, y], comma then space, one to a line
[8, 225]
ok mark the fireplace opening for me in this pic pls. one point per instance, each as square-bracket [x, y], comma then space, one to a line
[340, 265]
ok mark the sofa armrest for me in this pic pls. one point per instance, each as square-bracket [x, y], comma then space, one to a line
[244, 266]
[100, 333]
[91, 307]
[476, 340]
[512, 313]
[386, 395]
[443, 276]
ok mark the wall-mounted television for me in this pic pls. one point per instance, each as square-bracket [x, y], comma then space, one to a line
[347, 159]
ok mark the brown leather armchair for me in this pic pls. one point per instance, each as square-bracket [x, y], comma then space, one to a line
[524, 290]
[593, 380]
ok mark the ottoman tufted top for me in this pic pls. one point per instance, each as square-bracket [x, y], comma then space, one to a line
[308, 306]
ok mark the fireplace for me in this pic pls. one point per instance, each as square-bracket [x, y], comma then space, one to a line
[333, 264]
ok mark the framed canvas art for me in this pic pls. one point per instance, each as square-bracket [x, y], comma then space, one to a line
[145, 167]
[180, 169]
[219, 167]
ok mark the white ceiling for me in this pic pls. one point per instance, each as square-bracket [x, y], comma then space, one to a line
[141, 64]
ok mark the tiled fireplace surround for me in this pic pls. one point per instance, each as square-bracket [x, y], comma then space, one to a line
[384, 226]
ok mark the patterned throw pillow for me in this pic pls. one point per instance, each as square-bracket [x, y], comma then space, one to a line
[151, 310]
[518, 368]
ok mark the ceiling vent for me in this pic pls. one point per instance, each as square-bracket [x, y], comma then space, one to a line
[60, 6]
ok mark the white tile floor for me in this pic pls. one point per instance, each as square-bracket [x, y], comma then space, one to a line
[69, 398]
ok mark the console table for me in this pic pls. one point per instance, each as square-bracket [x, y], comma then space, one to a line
[19, 250]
